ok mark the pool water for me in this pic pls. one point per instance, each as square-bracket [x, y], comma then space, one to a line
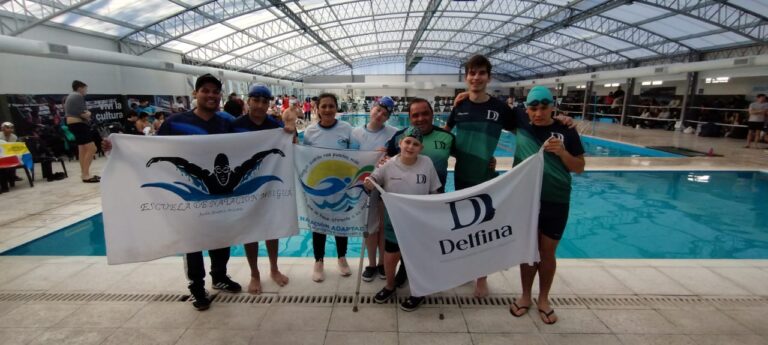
[621, 214]
[593, 147]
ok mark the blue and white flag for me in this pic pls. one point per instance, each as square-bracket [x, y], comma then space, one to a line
[331, 198]
[179, 194]
[449, 239]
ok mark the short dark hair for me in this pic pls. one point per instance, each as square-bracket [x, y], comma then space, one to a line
[760, 95]
[328, 95]
[419, 100]
[76, 84]
[477, 62]
[143, 114]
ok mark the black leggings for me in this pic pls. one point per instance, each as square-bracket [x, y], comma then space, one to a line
[318, 245]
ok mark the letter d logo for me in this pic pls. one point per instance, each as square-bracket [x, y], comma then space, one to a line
[492, 115]
[481, 205]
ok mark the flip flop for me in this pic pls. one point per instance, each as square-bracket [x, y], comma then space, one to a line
[93, 179]
[518, 308]
[547, 315]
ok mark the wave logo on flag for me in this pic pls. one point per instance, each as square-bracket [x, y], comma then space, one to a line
[335, 176]
[222, 180]
[333, 199]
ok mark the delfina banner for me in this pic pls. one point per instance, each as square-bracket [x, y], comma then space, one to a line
[179, 194]
[469, 233]
[331, 198]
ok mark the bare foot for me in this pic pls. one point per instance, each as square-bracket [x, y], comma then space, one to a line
[254, 287]
[279, 278]
[481, 287]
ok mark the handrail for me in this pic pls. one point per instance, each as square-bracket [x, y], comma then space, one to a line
[655, 118]
[601, 114]
[653, 106]
[726, 109]
[717, 123]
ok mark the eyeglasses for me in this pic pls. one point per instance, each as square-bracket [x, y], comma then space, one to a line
[535, 103]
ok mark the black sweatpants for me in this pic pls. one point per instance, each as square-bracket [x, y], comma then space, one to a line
[318, 245]
[195, 266]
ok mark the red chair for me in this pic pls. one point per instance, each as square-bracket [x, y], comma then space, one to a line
[13, 162]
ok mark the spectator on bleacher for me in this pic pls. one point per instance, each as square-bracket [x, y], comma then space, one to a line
[8, 135]
[618, 102]
[145, 107]
[7, 176]
[618, 93]
[757, 115]
[159, 119]
[608, 100]
[130, 123]
[142, 124]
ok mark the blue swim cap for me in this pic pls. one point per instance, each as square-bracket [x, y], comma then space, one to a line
[539, 93]
[387, 103]
[260, 90]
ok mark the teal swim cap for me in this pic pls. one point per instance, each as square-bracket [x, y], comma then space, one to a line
[539, 93]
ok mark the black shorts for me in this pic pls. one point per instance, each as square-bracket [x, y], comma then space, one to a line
[82, 133]
[391, 247]
[755, 125]
[553, 216]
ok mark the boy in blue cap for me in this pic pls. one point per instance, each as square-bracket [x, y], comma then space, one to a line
[259, 97]
[564, 155]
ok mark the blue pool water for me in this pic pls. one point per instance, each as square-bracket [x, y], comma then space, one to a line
[624, 214]
[593, 147]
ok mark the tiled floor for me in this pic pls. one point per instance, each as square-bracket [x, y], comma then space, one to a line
[712, 301]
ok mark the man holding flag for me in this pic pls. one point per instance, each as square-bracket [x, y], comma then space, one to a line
[259, 97]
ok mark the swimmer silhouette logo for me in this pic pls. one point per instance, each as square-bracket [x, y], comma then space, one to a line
[223, 181]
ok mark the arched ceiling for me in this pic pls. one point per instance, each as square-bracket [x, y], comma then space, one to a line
[295, 39]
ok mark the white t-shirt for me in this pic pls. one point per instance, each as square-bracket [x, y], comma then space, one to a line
[417, 179]
[758, 106]
[371, 141]
[337, 137]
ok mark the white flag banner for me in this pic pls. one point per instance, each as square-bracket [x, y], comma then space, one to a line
[449, 239]
[167, 195]
[331, 197]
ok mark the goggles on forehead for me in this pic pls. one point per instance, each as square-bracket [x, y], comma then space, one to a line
[536, 102]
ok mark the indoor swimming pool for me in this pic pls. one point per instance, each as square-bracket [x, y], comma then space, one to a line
[617, 214]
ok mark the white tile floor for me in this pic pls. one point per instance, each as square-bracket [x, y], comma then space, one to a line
[721, 317]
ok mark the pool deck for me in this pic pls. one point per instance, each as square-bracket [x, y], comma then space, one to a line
[82, 300]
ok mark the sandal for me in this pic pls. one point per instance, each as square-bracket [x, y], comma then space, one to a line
[517, 309]
[546, 318]
[93, 179]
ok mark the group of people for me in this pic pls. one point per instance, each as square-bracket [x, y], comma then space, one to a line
[419, 149]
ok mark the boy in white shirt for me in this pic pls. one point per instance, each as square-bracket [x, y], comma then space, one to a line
[407, 173]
